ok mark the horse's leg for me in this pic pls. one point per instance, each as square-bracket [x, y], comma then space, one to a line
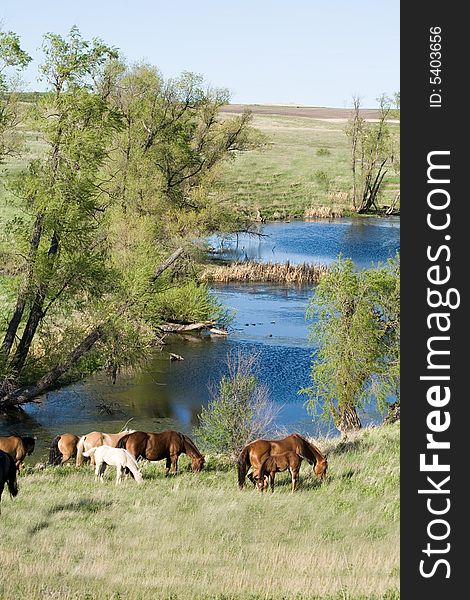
[295, 479]
[100, 469]
[168, 465]
[271, 479]
[119, 469]
[174, 463]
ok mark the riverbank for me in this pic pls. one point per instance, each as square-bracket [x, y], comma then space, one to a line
[198, 536]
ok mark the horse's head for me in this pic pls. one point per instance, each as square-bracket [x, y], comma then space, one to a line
[90, 452]
[261, 483]
[197, 463]
[321, 468]
[29, 444]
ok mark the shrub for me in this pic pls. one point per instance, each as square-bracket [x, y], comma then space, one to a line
[191, 303]
[323, 152]
[240, 409]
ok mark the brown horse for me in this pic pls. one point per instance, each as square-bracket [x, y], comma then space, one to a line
[63, 447]
[254, 454]
[17, 447]
[287, 461]
[95, 439]
[167, 444]
[8, 474]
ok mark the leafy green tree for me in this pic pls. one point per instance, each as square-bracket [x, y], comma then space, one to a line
[118, 197]
[356, 331]
[65, 263]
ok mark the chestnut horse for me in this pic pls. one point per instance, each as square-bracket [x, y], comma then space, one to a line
[8, 474]
[17, 447]
[254, 454]
[167, 444]
[95, 439]
[63, 447]
[287, 461]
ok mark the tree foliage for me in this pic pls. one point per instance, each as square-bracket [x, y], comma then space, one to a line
[356, 333]
[118, 195]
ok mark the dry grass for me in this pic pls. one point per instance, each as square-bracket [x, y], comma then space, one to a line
[250, 271]
[199, 537]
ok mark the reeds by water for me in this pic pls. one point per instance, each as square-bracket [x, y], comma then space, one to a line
[250, 272]
[324, 212]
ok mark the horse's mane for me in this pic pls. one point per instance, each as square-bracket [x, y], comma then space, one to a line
[315, 451]
[190, 447]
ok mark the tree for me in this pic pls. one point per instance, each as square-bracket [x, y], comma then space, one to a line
[170, 148]
[65, 264]
[240, 409]
[373, 152]
[356, 331]
[116, 200]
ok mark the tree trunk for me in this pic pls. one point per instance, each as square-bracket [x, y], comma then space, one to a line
[22, 395]
[167, 263]
[348, 420]
[21, 300]
[35, 316]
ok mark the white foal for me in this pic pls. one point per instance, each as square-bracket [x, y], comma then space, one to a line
[117, 457]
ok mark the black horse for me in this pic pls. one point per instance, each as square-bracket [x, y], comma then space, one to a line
[8, 474]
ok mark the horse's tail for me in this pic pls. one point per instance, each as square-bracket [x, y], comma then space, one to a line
[55, 454]
[11, 478]
[123, 441]
[80, 448]
[243, 464]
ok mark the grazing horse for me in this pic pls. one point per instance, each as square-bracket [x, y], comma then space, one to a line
[287, 461]
[8, 474]
[17, 447]
[95, 439]
[63, 447]
[167, 444]
[118, 457]
[254, 454]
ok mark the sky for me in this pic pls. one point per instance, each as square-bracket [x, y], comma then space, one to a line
[307, 52]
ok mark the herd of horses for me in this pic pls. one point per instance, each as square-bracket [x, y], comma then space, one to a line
[259, 460]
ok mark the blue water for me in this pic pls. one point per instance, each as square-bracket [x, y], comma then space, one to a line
[365, 240]
[270, 320]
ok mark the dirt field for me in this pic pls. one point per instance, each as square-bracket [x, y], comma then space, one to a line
[314, 112]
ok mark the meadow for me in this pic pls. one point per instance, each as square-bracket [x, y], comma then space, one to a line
[196, 536]
[303, 170]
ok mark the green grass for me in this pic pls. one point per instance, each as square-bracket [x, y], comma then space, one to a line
[283, 179]
[196, 536]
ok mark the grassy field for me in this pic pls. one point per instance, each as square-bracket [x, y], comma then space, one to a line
[305, 165]
[199, 537]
